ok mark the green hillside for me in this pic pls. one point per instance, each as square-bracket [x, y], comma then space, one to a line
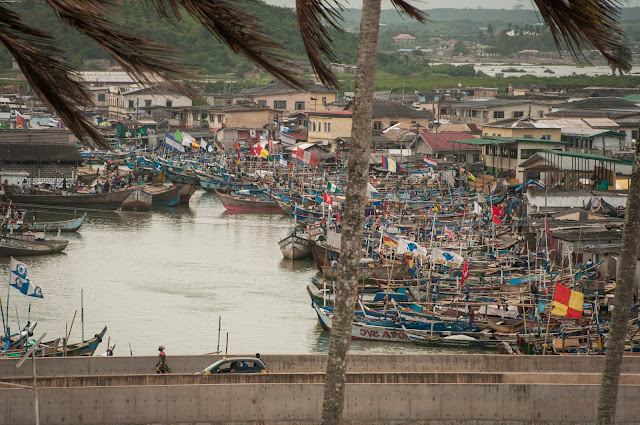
[194, 45]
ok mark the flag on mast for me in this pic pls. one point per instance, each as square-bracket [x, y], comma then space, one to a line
[18, 279]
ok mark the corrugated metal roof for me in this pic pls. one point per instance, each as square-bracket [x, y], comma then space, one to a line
[575, 161]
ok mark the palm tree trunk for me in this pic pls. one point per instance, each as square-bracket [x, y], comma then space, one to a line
[622, 303]
[353, 218]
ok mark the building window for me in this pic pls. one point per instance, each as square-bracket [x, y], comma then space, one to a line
[528, 153]
[513, 153]
[262, 102]
[299, 106]
[131, 104]
[324, 100]
[147, 102]
[518, 114]
[545, 137]
[194, 116]
[329, 127]
[486, 149]
[377, 125]
[102, 97]
[498, 114]
[220, 118]
[528, 136]
[540, 115]
[279, 104]
[314, 125]
[325, 127]
[169, 103]
[634, 134]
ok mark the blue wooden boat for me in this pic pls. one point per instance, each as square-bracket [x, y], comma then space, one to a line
[71, 225]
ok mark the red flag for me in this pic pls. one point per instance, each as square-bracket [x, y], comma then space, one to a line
[375, 181]
[546, 227]
[338, 219]
[237, 146]
[328, 199]
[253, 151]
[19, 120]
[498, 216]
[465, 273]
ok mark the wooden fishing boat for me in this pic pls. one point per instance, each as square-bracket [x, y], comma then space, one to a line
[323, 254]
[186, 176]
[138, 200]
[454, 340]
[86, 348]
[296, 247]
[105, 200]
[186, 192]
[505, 325]
[364, 331]
[71, 225]
[45, 349]
[247, 203]
[167, 196]
[35, 244]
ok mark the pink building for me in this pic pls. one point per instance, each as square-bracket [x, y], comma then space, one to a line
[404, 38]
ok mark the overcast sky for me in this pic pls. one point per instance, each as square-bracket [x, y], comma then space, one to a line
[432, 4]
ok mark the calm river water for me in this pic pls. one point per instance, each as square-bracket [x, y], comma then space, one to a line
[166, 276]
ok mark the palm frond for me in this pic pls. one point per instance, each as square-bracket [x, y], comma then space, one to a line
[50, 77]
[315, 36]
[238, 29]
[586, 22]
[411, 11]
[145, 60]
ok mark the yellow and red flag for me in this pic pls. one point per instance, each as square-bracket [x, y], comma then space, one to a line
[567, 302]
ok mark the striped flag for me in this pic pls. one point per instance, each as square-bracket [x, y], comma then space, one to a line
[428, 161]
[391, 165]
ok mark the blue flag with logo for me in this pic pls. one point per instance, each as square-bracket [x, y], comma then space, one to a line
[18, 279]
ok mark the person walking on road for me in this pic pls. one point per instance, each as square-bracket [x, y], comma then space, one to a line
[161, 366]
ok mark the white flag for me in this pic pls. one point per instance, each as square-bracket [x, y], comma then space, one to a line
[187, 139]
[407, 247]
[18, 279]
[476, 208]
[446, 258]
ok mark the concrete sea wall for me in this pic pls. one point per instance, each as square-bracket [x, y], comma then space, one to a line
[382, 389]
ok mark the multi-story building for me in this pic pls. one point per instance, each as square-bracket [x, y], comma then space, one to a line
[484, 112]
[524, 128]
[277, 95]
[109, 102]
[138, 102]
[503, 155]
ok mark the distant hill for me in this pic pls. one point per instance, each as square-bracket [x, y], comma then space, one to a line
[195, 46]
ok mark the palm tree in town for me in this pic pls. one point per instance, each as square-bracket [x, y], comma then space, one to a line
[576, 22]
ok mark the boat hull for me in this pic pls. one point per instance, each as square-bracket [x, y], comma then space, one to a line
[295, 247]
[109, 200]
[239, 203]
[364, 331]
[137, 201]
[54, 226]
[18, 246]
[186, 192]
[165, 196]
